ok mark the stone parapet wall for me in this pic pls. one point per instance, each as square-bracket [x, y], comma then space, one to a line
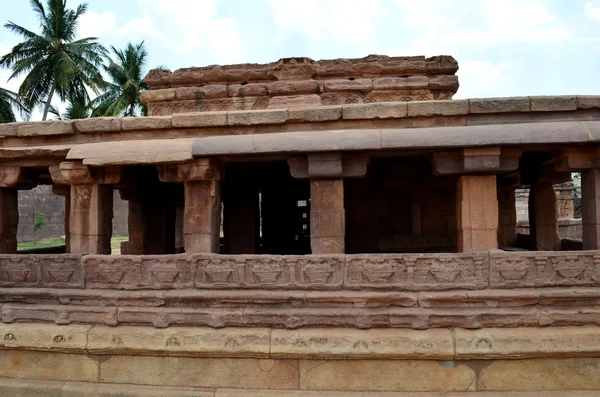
[493, 289]
[297, 82]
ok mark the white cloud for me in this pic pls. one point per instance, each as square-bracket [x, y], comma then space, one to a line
[482, 23]
[186, 26]
[592, 10]
[345, 20]
[92, 24]
[480, 78]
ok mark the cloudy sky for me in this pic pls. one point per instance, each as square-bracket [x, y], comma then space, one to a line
[504, 47]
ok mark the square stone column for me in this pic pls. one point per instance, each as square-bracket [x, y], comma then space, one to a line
[477, 213]
[327, 215]
[543, 217]
[590, 203]
[9, 220]
[202, 216]
[91, 207]
[202, 202]
[507, 217]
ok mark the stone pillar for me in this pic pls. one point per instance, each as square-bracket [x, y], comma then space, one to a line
[477, 213]
[91, 212]
[507, 217]
[135, 227]
[590, 202]
[202, 202]
[543, 217]
[9, 220]
[327, 216]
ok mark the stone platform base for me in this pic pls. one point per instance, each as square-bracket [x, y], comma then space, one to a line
[78, 360]
[43, 388]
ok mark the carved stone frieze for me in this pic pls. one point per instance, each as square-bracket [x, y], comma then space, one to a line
[545, 269]
[138, 272]
[48, 271]
[269, 272]
[417, 271]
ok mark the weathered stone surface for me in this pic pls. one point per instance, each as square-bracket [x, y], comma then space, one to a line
[321, 393]
[44, 337]
[444, 82]
[200, 342]
[348, 85]
[145, 123]
[59, 314]
[500, 105]
[11, 387]
[49, 270]
[98, 124]
[293, 87]
[294, 101]
[276, 116]
[323, 113]
[201, 372]
[438, 108]
[584, 102]
[204, 119]
[375, 111]
[353, 344]
[381, 375]
[251, 89]
[541, 374]
[49, 366]
[526, 342]
[80, 389]
[553, 103]
[158, 95]
[45, 128]
[400, 83]
[479, 298]
[477, 213]
[8, 129]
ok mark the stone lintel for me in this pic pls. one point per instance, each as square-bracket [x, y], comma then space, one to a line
[17, 177]
[577, 159]
[77, 173]
[546, 173]
[61, 190]
[484, 160]
[328, 165]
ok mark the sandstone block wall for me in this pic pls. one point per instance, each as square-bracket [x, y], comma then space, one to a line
[301, 82]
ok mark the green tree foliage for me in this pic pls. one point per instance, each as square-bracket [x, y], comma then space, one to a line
[54, 61]
[38, 222]
[9, 102]
[122, 93]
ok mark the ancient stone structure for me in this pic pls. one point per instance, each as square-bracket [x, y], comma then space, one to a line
[323, 249]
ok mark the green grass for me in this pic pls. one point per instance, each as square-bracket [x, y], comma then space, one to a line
[44, 243]
[115, 243]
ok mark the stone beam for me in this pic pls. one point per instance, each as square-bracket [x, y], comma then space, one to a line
[328, 165]
[485, 160]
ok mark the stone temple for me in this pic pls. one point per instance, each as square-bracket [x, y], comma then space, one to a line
[305, 228]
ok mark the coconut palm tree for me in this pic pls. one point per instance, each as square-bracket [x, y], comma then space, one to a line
[9, 102]
[54, 61]
[77, 108]
[122, 94]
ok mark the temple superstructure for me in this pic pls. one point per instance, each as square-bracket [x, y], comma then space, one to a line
[334, 226]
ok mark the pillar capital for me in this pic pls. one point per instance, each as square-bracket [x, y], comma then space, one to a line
[328, 165]
[200, 169]
[486, 160]
[17, 177]
[577, 159]
[77, 173]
